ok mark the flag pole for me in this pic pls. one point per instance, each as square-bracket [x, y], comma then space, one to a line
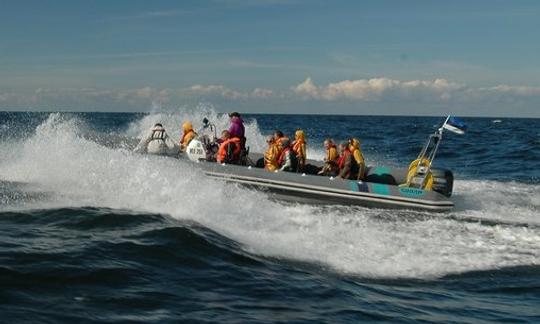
[444, 124]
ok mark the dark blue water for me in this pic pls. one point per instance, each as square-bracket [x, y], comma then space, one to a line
[90, 232]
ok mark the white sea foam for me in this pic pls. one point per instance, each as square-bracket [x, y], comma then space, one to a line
[172, 121]
[365, 242]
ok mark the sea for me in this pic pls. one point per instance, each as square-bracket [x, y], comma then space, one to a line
[91, 232]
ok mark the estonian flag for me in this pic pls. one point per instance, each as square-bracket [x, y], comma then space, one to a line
[455, 125]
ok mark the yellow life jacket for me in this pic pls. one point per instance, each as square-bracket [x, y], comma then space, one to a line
[187, 137]
[332, 154]
[271, 157]
[428, 181]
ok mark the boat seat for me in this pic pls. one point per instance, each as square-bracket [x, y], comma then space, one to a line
[380, 175]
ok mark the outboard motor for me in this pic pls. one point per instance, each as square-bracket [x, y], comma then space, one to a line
[422, 176]
[443, 181]
[419, 178]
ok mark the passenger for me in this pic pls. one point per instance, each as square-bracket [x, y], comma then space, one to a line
[299, 148]
[360, 165]
[271, 155]
[346, 162]
[287, 159]
[188, 135]
[229, 149]
[330, 167]
[238, 130]
[237, 125]
[157, 142]
[278, 137]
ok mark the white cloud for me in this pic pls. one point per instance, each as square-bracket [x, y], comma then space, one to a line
[262, 93]
[212, 90]
[384, 95]
[377, 89]
[307, 89]
[518, 90]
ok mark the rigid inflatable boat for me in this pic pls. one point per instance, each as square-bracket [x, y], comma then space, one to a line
[381, 187]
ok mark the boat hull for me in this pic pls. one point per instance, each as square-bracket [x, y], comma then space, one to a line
[315, 189]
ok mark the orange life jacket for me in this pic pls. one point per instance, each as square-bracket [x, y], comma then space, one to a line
[299, 148]
[223, 150]
[186, 137]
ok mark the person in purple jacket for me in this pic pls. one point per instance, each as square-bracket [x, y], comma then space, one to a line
[237, 130]
[237, 126]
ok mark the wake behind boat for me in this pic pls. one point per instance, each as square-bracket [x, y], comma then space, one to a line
[417, 187]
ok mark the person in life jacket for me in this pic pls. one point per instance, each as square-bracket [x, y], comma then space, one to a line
[330, 167]
[229, 149]
[278, 137]
[287, 159]
[238, 130]
[299, 148]
[360, 163]
[271, 155]
[346, 162]
[187, 136]
[157, 142]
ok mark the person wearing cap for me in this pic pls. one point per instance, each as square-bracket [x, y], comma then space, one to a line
[287, 159]
[187, 136]
[157, 142]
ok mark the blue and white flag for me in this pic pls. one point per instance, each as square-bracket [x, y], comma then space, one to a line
[455, 125]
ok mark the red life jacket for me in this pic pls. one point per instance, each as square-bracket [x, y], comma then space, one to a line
[223, 148]
[341, 161]
[282, 155]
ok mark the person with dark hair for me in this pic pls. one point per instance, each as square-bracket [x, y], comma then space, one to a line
[287, 159]
[157, 142]
[278, 137]
[237, 128]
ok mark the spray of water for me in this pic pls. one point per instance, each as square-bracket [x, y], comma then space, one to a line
[172, 121]
[366, 242]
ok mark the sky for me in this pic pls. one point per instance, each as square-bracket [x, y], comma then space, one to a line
[471, 58]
